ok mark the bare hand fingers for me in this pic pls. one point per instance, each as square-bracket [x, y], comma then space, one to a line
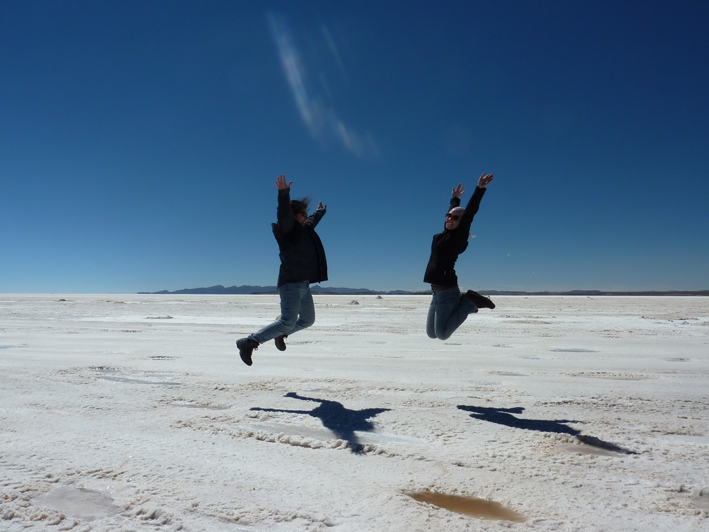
[485, 179]
[281, 182]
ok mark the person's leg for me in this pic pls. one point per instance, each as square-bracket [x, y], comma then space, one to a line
[431, 318]
[291, 295]
[306, 312]
[451, 311]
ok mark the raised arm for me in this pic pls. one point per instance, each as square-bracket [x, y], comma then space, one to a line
[315, 218]
[474, 203]
[455, 198]
[462, 232]
[284, 212]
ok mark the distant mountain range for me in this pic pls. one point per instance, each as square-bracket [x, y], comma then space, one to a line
[248, 289]
[317, 289]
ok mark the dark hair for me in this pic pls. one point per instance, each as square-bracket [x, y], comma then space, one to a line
[300, 205]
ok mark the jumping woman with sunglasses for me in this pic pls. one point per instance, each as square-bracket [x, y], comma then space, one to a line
[448, 308]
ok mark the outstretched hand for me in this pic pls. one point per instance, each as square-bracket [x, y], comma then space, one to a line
[321, 206]
[484, 180]
[458, 191]
[281, 183]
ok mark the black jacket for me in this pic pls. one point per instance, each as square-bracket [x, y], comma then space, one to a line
[448, 245]
[301, 251]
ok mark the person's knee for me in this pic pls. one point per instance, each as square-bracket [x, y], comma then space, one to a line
[287, 323]
[437, 334]
[306, 321]
[441, 335]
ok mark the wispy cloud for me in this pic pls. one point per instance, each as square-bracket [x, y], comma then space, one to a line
[319, 117]
[333, 49]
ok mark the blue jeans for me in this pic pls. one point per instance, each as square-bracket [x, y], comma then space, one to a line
[447, 312]
[297, 312]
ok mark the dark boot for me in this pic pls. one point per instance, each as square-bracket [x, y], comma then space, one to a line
[246, 348]
[480, 301]
[281, 342]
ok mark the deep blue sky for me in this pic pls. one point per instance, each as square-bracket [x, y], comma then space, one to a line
[140, 141]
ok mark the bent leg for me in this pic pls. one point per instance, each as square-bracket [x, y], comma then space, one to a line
[306, 315]
[451, 312]
[290, 307]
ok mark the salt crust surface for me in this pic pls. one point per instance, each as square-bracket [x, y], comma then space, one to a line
[135, 412]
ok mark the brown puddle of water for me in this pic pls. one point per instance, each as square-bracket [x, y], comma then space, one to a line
[472, 506]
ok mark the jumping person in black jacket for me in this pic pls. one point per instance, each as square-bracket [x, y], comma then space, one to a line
[448, 308]
[302, 262]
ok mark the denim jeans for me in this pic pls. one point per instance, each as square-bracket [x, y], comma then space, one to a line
[297, 312]
[447, 312]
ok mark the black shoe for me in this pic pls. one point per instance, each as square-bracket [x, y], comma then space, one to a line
[281, 342]
[246, 347]
[480, 301]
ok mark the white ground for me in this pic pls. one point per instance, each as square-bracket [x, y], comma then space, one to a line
[135, 413]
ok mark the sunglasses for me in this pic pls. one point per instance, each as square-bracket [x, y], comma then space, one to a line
[454, 217]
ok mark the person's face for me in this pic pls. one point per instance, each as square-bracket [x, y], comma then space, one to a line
[452, 220]
[301, 217]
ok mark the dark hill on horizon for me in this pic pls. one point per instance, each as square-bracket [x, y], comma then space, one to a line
[249, 289]
[316, 289]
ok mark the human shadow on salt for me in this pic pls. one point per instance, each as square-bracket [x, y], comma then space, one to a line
[503, 416]
[342, 421]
